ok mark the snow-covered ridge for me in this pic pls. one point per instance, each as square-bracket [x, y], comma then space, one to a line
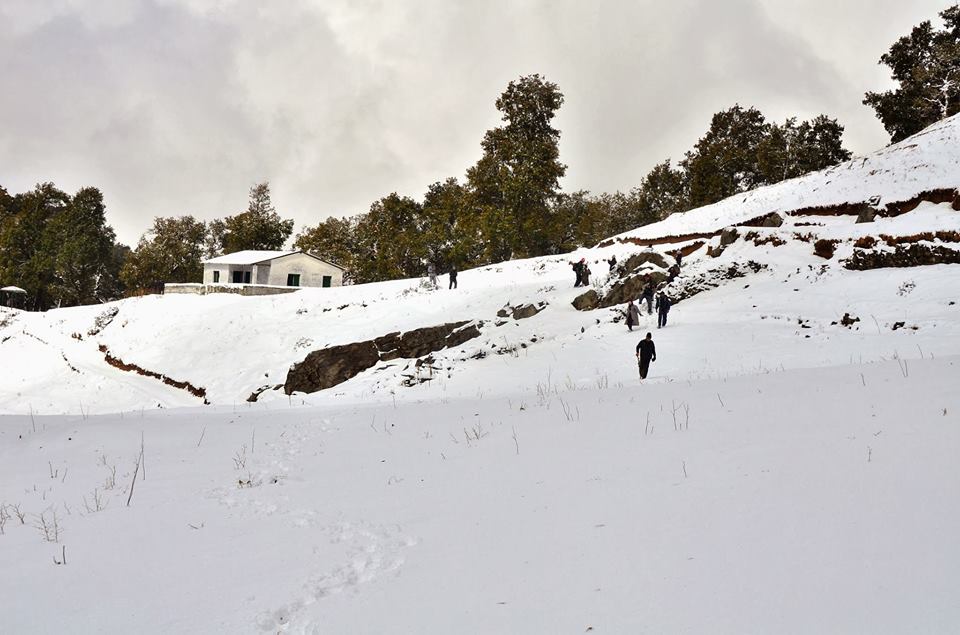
[929, 160]
[228, 347]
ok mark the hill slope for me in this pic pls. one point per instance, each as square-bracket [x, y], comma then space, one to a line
[231, 346]
[789, 466]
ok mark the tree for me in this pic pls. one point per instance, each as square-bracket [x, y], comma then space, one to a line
[80, 244]
[6, 203]
[26, 260]
[579, 220]
[450, 229]
[259, 228]
[387, 245]
[112, 285]
[792, 150]
[216, 234]
[724, 161]
[517, 178]
[926, 65]
[171, 251]
[333, 240]
[662, 192]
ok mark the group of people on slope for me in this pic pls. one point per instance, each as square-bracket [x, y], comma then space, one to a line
[646, 350]
[432, 275]
[662, 304]
[582, 272]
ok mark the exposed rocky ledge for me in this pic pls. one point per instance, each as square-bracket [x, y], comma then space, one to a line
[334, 365]
[628, 284]
[522, 311]
[865, 211]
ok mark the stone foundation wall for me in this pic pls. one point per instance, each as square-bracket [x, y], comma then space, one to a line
[196, 288]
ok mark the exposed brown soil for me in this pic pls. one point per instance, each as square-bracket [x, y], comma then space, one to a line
[116, 362]
[663, 240]
[895, 208]
[943, 236]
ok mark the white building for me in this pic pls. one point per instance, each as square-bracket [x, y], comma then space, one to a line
[274, 268]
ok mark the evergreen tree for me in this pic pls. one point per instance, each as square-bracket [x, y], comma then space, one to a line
[580, 220]
[333, 240]
[213, 242]
[450, 230]
[6, 204]
[517, 179]
[792, 150]
[112, 285]
[259, 228]
[26, 260]
[724, 161]
[80, 245]
[926, 66]
[171, 251]
[662, 192]
[387, 241]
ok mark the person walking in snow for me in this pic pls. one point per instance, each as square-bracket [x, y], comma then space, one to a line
[578, 268]
[585, 275]
[633, 316]
[612, 262]
[647, 295]
[646, 353]
[453, 278]
[663, 307]
[679, 256]
[432, 274]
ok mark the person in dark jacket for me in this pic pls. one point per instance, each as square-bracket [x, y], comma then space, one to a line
[453, 278]
[585, 275]
[647, 295]
[646, 353]
[578, 268]
[633, 315]
[663, 307]
[612, 262]
[679, 256]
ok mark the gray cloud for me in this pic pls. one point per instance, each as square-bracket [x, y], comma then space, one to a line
[178, 106]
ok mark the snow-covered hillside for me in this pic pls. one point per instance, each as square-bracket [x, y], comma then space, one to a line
[924, 162]
[788, 467]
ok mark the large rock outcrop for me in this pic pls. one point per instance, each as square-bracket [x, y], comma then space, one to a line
[522, 311]
[629, 288]
[334, 365]
[629, 282]
[634, 262]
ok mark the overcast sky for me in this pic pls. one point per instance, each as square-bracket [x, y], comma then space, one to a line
[177, 107]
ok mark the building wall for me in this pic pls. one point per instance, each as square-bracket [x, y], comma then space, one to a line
[208, 273]
[226, 273]
[275, 273]
[310, 269]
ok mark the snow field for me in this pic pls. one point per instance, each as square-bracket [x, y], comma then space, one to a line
[798, 501]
